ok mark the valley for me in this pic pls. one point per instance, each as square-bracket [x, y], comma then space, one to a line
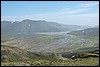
[38, 42]
[47, 42]
[61, 45]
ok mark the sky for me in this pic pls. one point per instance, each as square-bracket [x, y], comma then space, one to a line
[63, 12]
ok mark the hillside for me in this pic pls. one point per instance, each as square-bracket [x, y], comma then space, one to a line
[14, 54]
[87, 32]
[9, 53]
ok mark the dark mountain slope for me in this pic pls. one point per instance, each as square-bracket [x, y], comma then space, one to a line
[27, 26]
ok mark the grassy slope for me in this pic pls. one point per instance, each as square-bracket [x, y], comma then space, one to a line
[12, 54]
[45, 60]
[77, 62]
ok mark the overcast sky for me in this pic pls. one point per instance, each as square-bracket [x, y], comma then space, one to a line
[64, 12]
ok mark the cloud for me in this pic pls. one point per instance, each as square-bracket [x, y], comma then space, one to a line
[74, 19]
[89, 5]
[70, 12]
[58, 14]
[79, 19]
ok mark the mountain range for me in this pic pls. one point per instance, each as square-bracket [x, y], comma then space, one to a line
[33, 26]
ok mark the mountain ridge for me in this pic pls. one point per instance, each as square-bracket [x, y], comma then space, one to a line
[31, 26]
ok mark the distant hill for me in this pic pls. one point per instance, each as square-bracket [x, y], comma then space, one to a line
[31, 26]
[96, 26]
[73, 27]
[87, 32]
